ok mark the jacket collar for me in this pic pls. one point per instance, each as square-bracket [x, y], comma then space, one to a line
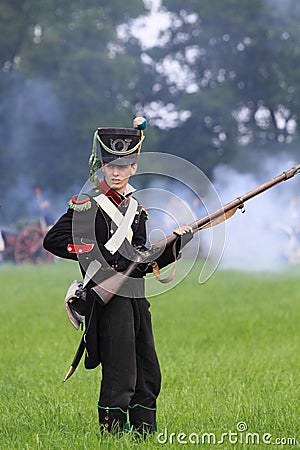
[114, 195]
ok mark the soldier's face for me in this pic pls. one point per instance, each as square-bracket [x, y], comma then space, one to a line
[117, 177]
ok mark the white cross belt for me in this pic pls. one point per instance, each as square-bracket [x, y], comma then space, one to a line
[123, 223]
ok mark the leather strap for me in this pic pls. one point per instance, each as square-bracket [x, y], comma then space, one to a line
[156, 270]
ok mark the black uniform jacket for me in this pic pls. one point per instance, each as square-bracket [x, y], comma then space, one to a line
[72, 237]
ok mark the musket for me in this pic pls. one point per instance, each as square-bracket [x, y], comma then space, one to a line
[105, 291]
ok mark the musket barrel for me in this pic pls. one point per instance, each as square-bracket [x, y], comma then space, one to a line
[239, 201]
[268, 184]
[109, 287]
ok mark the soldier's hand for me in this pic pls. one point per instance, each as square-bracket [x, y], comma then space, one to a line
[183, 230]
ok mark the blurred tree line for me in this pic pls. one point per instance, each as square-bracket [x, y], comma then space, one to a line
[219, 84]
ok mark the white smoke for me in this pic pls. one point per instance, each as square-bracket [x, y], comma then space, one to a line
[32, 121]
[267, 236]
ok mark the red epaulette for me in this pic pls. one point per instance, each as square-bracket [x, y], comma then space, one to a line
[80, 202]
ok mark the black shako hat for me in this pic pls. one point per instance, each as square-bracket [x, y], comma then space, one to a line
[120, 146]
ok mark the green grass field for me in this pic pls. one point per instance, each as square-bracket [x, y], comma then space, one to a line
[229, 354]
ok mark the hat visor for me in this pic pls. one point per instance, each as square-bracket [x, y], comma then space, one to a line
[120, 161]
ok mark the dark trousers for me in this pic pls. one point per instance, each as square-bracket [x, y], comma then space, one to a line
[131, 376]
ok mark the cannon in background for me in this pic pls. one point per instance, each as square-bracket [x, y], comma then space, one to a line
[25, 246]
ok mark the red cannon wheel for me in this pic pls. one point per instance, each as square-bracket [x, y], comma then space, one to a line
[29, 246]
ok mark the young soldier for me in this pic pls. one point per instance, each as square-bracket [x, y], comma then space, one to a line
[101, 230]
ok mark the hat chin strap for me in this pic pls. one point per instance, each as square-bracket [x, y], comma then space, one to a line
[126, 152]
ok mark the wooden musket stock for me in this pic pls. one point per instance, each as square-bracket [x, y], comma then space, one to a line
[109, 287]
[105, 291]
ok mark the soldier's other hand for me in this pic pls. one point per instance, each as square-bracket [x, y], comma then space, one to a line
[183, 230]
